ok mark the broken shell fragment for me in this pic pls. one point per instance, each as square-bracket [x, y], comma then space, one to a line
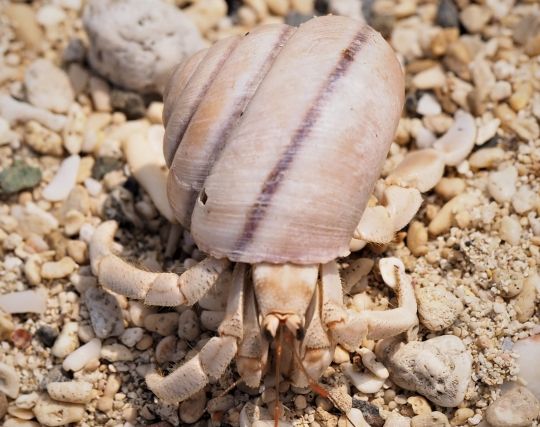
[421, 169]
[456, 144]
[9, 381]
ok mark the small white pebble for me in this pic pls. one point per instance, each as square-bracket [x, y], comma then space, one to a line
[76, 360]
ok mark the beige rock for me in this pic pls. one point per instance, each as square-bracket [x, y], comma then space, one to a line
[42, 140]
[70, 391]
[475, 17]
[305, 7]
[9, 380]
[429, 79]
[449, 188]
[23, 20]
[116, 352]
[524, 200]
[188, 325]
[207, 13]
[58, 269]
[67, 341]
[461, 416]
[510, 230]
[521, 96]
[437, 308]
[51, 413]
[439, 368]
[444, 219]
[516, 408]
[502, 184]
[419, 405]
[433, 419]
[486, 158]
[6, 325]
[525, 302]
[417, 238]
[278, 7]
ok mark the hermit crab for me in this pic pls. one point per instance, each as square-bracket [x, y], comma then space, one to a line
[275, 141]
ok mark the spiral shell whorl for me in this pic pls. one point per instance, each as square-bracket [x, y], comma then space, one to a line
[275, 126]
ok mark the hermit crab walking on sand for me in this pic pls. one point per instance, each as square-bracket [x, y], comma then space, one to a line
[274, 143]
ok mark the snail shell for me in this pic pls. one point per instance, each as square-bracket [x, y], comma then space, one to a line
[275, 140]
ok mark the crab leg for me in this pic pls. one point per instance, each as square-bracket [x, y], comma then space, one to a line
[253, 349]
[317, 349]
[165, 289]
[350, 331]
[214, 358]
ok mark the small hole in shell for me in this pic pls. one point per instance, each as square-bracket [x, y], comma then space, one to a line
[203, 197]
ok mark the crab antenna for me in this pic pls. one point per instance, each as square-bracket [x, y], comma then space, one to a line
[279, 352]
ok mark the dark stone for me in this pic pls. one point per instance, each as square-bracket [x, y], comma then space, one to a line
[370, 412]
[129, 103]
[18, 177]
[321, 7]
[384, 24]
[104, 165]
[46, 335]
[411, 103]
[75, 51]
[233, 6]
[132, 186]
[296, 18]
[447, 14]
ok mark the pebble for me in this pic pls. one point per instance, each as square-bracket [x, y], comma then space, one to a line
[448, 214]
[521, 96]
[48, 87]
[105, 313]
[474, 17]
[43, 140]
[52, 413]
[71, 391]
[192, 409]
[528, 352]
[525, 302]
[341, 355]
[486, 158]
[58, 269]
[365, 382]
[433, 419]
[510, 230]
[9, 380]
[457, 143]
[524, 199]
[131, 336]
[67, 341]
[429, 79]
[24, 302]
[23, 21]
[428, 105]
[100, 92]
[138, 56]
[188, 325]
[6, 325]
[300, 402]
[220, 404]
[502, 184]
[207, 14]
[75, 51]
[500, 91]
[396, 420]
[116, 353]
[129, 103]
[486, 131]
[162, 323]
[448, 188]
[19, 176]
[447, 14]
[517, 407]
[169, 349]
[439, 368]
[419, 405]
[461, 416]
[50, 15]
[437, 308]
[64, 180]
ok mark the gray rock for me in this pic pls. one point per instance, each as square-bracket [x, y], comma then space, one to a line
[19, 176]
[439, 368]
[516, 408]
[135, 44]
[75, 51]
[447, 14]
[129, 103]
[105, 313]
